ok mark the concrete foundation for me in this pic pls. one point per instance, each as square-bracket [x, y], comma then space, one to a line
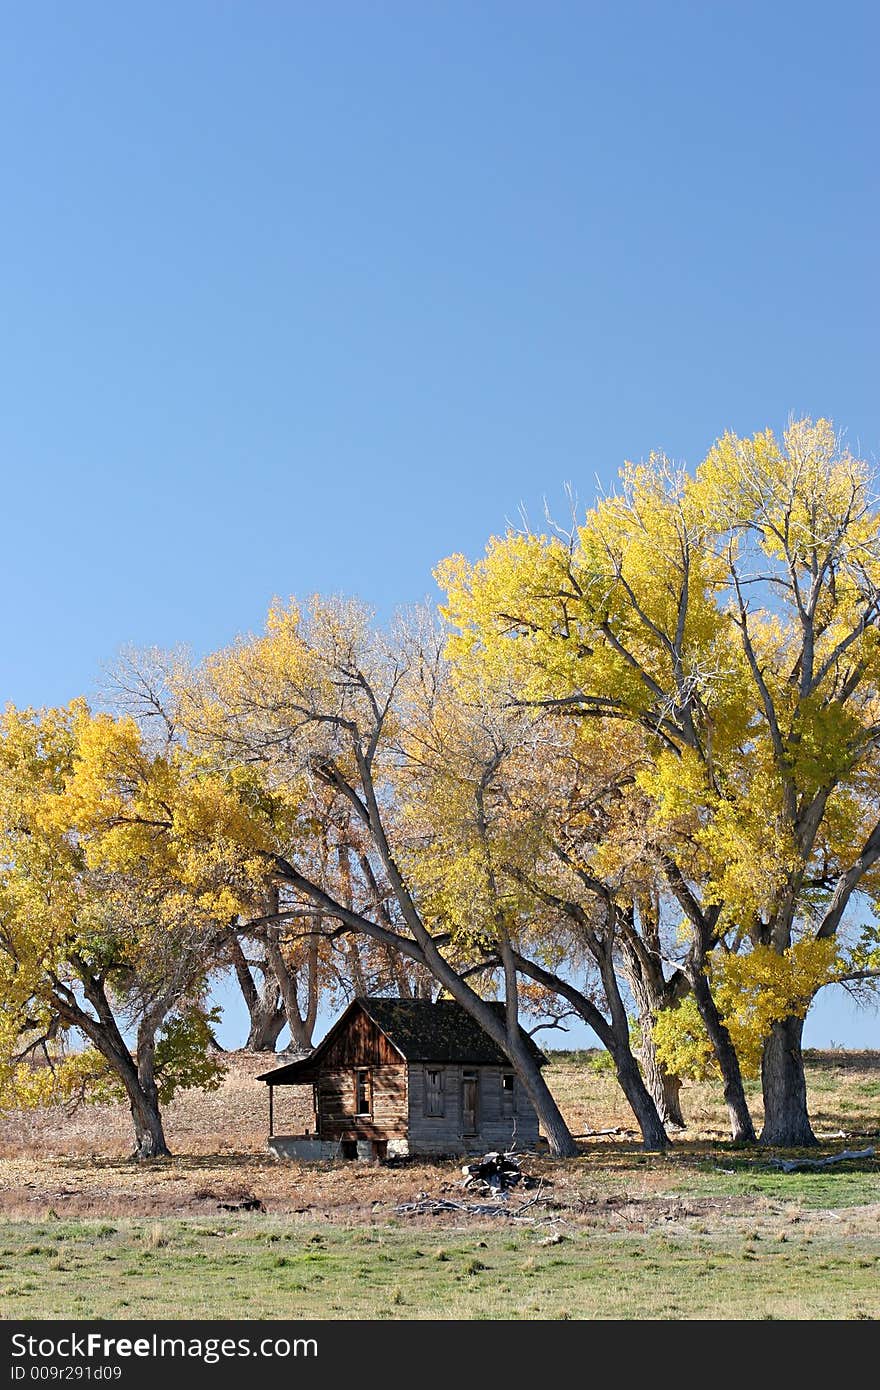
[304, 1146]
[309, 1147]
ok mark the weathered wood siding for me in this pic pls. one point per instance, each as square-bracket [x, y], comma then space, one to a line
[337, 1104]
[495, 1128]
[360, 1044]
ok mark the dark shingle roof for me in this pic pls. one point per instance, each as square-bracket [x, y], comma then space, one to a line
[421, 1032]
[441, 1032]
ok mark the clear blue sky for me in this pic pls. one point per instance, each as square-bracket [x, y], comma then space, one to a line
[305, 296]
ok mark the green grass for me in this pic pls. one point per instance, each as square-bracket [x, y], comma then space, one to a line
[856, 1185]
[228, 1268]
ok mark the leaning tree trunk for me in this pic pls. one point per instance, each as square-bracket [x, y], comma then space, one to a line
[632, 1083]
[641, 1101]
[786, 1120]
[136, 1076]
[508, 1035]
[742, 1129]
[615, 1038]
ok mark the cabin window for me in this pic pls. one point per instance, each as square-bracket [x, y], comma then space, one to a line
[363, 1092]
[434, 1091]
[507, 1093]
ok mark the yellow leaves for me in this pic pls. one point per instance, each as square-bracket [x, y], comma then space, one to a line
[752, 990]
[799, 498]
[638, 620]
[624, 622]
[749, 853]
[824, 743]
[30, 1085]
[757, 988]
[677, 784]
[517, 615]
[111, 855]
[681, 1042]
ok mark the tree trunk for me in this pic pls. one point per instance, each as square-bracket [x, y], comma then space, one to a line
[312, 983]
[663, 1086]
[786, 1120]
[397, 967]
[144, 1097]
[356, 968]
[286, 978]
[267, 1019]
[149, 1134]
[643, 1106]
[641, 1101]
[641, 961]
[556, 1131]
[264, 1006]
[136, 1076]
[742, 1129]
[615, 1039]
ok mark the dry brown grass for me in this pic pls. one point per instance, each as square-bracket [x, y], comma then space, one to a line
[54, 1165]
[232, 1119]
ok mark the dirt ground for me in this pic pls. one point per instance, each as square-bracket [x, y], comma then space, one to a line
[57, 1165]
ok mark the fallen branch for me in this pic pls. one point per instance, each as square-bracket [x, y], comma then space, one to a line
[601, 1133]
[789, 1165]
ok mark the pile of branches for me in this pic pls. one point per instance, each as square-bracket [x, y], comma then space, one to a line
[495, 1172]
[492, 1175]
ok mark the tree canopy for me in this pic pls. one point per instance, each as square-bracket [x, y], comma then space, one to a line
[631, 773]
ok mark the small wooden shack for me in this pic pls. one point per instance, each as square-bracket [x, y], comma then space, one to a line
[407, 1076]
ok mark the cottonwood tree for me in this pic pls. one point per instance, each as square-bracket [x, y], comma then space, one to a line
[312, 709]
[287, 959]
[505, 823]
[537, 621]
[93, 942]
[731, 618]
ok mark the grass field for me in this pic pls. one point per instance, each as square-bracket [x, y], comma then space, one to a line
[705, 1231]
[281, 1270]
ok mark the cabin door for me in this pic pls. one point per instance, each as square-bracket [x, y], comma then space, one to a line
[469, 1102]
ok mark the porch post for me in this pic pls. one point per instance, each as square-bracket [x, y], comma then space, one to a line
[271, 1110]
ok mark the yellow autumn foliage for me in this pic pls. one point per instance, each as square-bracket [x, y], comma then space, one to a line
[729, 618]
[753, 990]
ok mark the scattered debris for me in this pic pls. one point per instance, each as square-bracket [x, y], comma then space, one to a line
[601, 1133]
[556, 1239]
[242, 1204]
[492, 1175]
[495, 1172]
[435, 1206]
[789, 1165]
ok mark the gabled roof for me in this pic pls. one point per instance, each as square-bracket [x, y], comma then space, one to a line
[420, 1031]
